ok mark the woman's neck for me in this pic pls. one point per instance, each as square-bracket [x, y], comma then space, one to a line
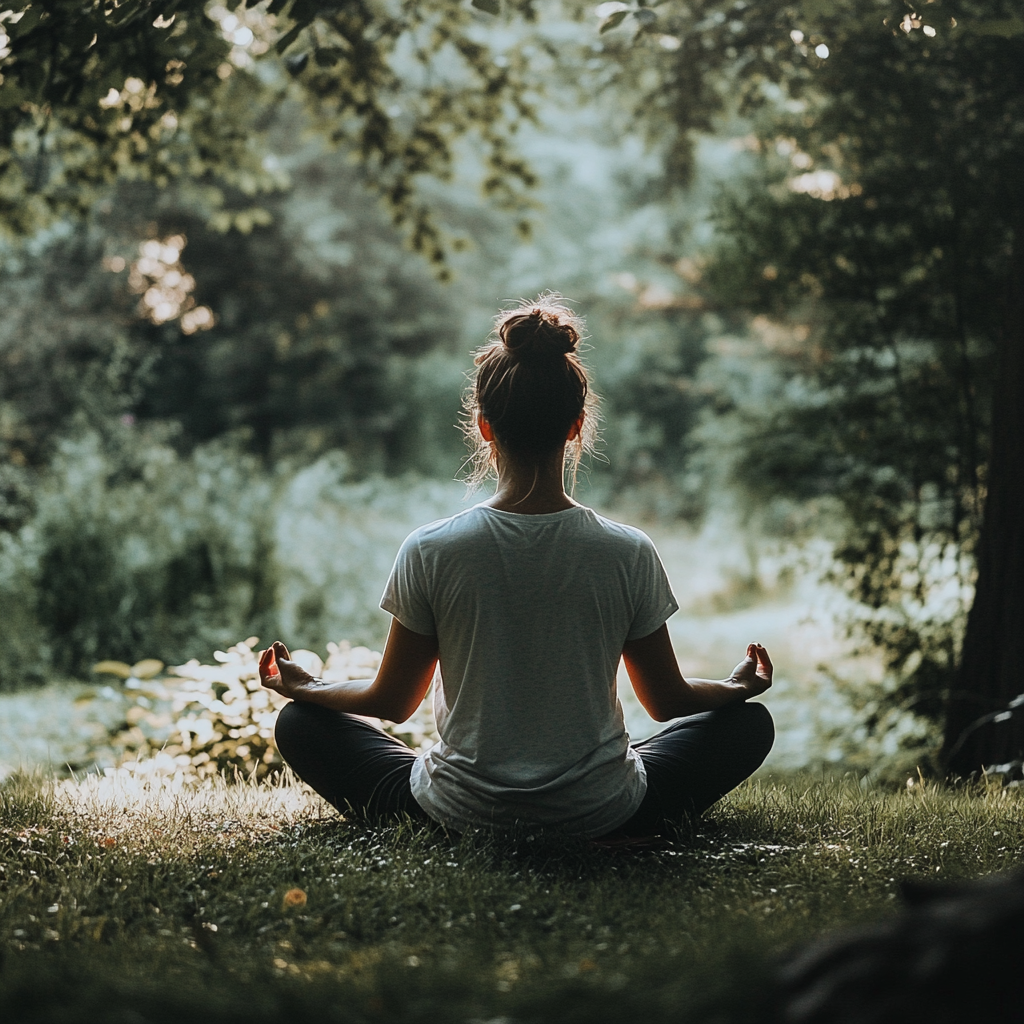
[531, 490]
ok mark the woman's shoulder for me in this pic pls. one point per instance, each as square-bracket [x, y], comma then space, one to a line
[442, 531]
[484, 525]
[616, 532]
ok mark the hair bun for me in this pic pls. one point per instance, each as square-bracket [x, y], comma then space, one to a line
[539, 332]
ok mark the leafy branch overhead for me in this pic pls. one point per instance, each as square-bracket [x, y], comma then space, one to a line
[681, 65]
[180, 90]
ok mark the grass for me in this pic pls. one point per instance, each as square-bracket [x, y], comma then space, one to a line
[132, 901]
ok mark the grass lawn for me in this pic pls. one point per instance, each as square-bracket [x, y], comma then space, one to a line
[129, 902]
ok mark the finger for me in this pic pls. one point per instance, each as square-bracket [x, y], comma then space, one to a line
[268, 666]
[762, 657]
[281, 651]
[750, 650]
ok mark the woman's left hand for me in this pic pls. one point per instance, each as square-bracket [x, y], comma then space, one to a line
[279, 673]
[754, 672]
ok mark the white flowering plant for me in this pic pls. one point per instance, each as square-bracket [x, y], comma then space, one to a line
[201, 720]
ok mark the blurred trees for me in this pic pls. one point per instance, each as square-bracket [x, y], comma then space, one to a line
[302, 346]
[877, 246]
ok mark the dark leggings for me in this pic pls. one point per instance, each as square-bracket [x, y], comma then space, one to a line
[357, 767]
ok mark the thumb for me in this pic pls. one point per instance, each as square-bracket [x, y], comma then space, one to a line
[281, 651]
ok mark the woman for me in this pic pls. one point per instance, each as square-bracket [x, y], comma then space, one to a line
[527, 601]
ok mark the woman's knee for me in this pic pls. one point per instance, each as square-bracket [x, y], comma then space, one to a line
[295, 722]
[758, 727]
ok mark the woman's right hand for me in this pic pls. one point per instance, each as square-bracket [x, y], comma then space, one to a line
[279, 673]
[754, 672]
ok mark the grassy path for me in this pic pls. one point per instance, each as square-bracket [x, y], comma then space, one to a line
[128, 903]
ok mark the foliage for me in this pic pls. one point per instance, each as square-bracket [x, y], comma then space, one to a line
[316, 340]
[314, 344]
[105, 877]
[871, 244]
[176, 91]
[201, 721]
[132, 548]
[92, 91]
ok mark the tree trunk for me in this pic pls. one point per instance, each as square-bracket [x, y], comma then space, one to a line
[992, 666]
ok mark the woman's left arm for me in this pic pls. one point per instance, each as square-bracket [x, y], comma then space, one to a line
[402, 680]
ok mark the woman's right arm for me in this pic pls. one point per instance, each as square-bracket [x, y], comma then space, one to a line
[404, 676]
[665, 694]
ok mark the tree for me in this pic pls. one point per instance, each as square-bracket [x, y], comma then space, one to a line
[168, 90]
[886, 233]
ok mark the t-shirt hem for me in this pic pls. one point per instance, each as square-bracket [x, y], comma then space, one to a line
[404, 618]
[659, 620]
[460, 823]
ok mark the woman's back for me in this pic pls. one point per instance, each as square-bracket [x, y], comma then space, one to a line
[531, 613]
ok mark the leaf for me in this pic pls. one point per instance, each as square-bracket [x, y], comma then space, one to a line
[10, 96]
[613, 21]
[113, 668]
[26, 23]
[296, 64]
[646, 16]
[289, 37]
[306, 11]
[277, 6]
[147, 668]
[488, 6]
[327, 56]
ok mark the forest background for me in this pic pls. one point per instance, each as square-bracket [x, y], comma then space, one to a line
[249, 249]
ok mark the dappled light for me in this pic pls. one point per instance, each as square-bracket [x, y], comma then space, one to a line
[159, 276]
[200, 721]
[823, 184]
[250, 31]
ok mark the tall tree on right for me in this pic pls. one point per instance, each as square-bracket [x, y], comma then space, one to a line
[884, 233]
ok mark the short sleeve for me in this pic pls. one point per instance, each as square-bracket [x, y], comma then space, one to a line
[405, 595]
[653, 600]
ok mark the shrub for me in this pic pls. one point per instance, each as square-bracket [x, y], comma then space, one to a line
[132, 548]
[201, 720]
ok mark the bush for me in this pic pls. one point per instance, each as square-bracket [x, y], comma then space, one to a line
[134, 549]
[202, 720]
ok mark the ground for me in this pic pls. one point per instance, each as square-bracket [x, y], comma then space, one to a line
[135, 901]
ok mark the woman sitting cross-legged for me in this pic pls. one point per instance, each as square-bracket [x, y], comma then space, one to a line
[527, 600]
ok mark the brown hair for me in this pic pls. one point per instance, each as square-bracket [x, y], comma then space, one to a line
[530, 386]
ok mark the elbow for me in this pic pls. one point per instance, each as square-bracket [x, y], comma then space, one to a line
[668, 711]
[666, 715]
[396, 711]
[664, 712]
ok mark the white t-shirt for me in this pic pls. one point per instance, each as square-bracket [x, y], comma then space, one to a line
[531, 613]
